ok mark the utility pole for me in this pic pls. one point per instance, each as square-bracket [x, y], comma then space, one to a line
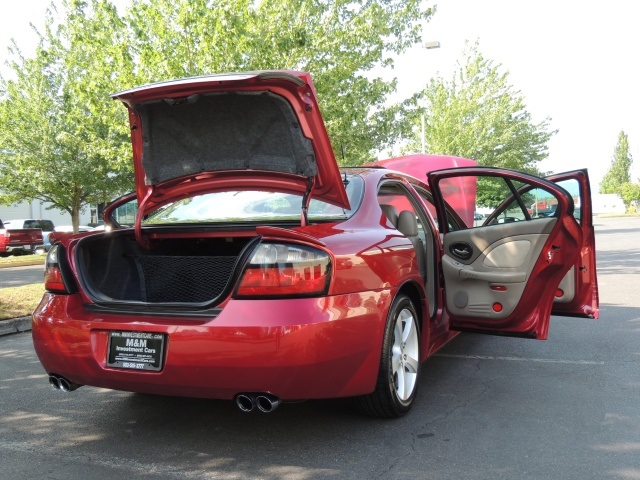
[429, 46]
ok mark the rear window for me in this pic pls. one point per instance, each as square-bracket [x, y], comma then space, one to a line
[253, 206]
[45, 225]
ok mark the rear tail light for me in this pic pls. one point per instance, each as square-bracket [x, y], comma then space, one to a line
[53, 281]
[280, 270]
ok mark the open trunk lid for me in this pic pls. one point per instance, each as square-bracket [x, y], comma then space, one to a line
[258, 130]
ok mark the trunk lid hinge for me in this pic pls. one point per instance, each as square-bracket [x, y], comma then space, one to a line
[306, 199]
[142, 241]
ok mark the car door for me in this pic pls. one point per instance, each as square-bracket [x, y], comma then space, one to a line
[501, 277]
[577, 293]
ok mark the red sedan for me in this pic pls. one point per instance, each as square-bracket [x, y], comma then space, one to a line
[247, 266]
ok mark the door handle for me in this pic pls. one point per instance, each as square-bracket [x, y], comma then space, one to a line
[462, 250]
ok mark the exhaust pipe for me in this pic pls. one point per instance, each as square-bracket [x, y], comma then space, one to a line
[267, 403]
[54, 382]
[246, 402]
[63, 384]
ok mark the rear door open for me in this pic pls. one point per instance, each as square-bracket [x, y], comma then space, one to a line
[502, 274]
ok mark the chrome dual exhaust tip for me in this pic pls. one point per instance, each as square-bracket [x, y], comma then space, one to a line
[246, 402]
[63, 384]
[265, 402]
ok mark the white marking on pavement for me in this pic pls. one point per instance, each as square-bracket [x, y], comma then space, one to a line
[520, 359]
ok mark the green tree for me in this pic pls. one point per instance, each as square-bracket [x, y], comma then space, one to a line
[478, 114]
[63, 140]
[618, 173]
[630, 193]
[338, 41]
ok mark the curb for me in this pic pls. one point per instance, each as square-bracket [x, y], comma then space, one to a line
[15, 325]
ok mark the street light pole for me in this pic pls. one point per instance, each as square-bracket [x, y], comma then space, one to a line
[422, 121]
[429, 46]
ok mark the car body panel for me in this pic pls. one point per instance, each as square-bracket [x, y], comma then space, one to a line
[237, 351]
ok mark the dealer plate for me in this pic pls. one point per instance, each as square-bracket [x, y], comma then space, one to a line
[136, 350]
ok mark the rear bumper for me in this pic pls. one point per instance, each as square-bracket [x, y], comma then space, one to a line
[17, 248]
[294, 348]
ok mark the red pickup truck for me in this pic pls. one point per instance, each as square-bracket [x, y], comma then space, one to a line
[21, 240]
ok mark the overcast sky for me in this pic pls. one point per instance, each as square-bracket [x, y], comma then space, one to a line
[576, 61]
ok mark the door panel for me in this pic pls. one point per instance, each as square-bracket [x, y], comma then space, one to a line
[481, 238]
[491, 282]
[501, 278]
[566, 291]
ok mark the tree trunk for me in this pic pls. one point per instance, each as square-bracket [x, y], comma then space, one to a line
[75, 218]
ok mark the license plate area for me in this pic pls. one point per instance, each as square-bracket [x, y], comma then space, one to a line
[136, 350]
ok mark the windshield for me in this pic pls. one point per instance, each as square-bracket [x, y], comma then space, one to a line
[253, 206]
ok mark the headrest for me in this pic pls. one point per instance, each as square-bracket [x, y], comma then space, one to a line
[390, 212]
[407, 223]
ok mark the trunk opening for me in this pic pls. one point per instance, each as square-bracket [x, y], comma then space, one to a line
[113, 268]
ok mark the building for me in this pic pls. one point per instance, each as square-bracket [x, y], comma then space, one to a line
[38, 210]
[607, 203]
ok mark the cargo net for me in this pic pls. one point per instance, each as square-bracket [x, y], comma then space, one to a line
[190, 279]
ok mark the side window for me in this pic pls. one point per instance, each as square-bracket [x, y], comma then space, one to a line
[125, 214]
[501, 200]
[394, 199]
[452, 220]
[573, 187]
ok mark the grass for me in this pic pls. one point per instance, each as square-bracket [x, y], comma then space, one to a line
[20, 301]
[22, 260]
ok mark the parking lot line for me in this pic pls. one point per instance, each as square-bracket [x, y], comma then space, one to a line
[520, 359]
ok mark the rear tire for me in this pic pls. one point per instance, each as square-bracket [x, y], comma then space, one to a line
[399, 371]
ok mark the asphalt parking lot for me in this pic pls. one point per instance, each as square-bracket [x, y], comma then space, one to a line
[488, 408]
[18, 276]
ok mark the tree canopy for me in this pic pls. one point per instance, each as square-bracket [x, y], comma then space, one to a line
[63, 140]
[630, 193]
[618, 177]
[618, 173]
[338, 41]
[478, 114]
